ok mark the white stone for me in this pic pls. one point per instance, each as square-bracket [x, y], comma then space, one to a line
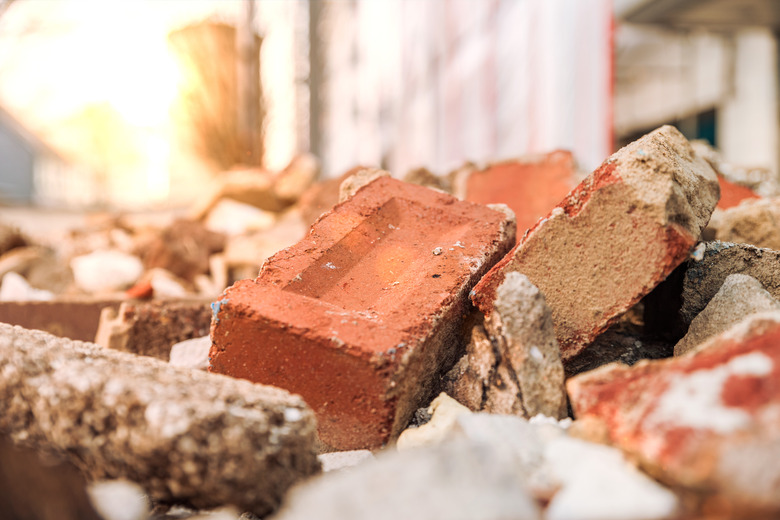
[234, 218]
[343, 459]
[444, 410]
[191, 353]
[15, 288]
[106, 270]
[597, 483]
[119, 500]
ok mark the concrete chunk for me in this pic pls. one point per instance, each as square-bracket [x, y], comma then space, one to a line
[614, 237]
[704, 277]
[739, 296]
[185, 436]
[754, 221]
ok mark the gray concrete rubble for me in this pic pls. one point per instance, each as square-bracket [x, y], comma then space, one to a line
[512, 364]
[185, 436]
[739, 297]
[754, 221]
[704, 276]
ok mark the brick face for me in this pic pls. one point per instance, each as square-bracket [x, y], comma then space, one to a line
[362, 315]
[614, 237]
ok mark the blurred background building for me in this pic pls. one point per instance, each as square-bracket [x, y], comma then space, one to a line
[137, 104]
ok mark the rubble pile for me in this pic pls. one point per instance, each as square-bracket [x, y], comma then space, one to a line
[513, 340]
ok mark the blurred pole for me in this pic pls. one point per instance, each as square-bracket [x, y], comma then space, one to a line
[316, 68]
[248, 84]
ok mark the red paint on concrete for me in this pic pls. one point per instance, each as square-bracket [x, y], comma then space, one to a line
[626, 398]
[360, 316]
[531, 188]
[732, 194]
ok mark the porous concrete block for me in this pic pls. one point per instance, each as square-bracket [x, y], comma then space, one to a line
[739, 296]
[753, 221]
[184, 436]
[363, 315]
[705, 275]
[614, 237]
[530, 186]
[706, 421]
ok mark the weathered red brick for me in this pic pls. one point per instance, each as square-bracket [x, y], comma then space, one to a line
[731, 194]
[531, 186]
[362, 315]
[614, 237]
[707, 420]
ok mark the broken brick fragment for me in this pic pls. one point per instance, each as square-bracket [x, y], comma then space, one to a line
[706, 421]
[531, 186]
[614, 237]
[731, 194]
[152, 328]
[362, 316]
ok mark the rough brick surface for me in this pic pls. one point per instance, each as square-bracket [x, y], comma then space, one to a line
[614, 238]
[704, 277]
[531, 186]
[152, 328]
[185, 436]
[362, 315]
[739, 296]
[707, 421]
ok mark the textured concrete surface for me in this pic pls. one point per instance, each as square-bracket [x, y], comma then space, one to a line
[739, 296]
[185, 436]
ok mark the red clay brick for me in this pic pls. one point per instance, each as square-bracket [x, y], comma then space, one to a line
[732, 194]
[531, 187]
[614, 237]
[362, 315]
[707, 420]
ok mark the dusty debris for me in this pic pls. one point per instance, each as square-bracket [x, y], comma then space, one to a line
[739, 297]
[152, 328]
[184, 435]
[614, 238]
[183, 249]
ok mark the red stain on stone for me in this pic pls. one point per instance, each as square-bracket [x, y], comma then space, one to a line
[732, 194]
[359, 317]
[531, 188]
